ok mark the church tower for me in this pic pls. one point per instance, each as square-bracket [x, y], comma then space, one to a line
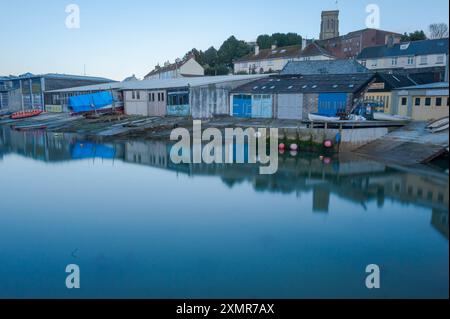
[330, 25]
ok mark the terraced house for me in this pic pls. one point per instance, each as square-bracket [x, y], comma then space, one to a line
[410, 57]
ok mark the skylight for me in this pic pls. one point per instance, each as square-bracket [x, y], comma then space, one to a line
[272, 87]
[335, 86]
[290, 87]
[255, 88]
[314, 86]
[351, 86]
[264, 87]
[304, 86]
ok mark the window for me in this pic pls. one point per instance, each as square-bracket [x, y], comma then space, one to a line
[363, 62]
[428, 101]
[417, 101]
[423, 59]
[153, 97]
[410, 60]
[138, 95]
[162, 97]
[404, 101]
[133, 95]
[440, 59]
[438, 101]
[394, 61]
[150, 97]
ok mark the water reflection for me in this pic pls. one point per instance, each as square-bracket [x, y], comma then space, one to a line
[143, 227]
[351, 178]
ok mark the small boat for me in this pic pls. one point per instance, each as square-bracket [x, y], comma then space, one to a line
[388, 117]
[316, 117]
[30, 127]
[25, 114]
[438, 123]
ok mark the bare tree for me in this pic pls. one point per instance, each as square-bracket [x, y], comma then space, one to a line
[438, 31]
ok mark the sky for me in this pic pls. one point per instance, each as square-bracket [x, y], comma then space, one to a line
[117, 39]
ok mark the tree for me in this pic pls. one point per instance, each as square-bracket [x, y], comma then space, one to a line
[264, 41]
[210, 57]
[414, 36]
[438, 31]
[232, 49]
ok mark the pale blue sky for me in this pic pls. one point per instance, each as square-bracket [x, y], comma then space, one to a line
[120, 38]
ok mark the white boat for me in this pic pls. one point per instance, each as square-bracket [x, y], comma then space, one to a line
[314, 117]
[438, 123]
[440, 129]
[389, 117]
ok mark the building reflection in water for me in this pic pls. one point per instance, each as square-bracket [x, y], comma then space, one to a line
[349, 177]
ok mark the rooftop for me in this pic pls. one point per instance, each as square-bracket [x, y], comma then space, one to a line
[265, 54]
[54, 76]
[431, 86]
[170, 67]
[163, 84]
[324, 67]
[424, 47]
[336, 83]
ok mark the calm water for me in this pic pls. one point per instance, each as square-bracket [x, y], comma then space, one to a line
[141, 227]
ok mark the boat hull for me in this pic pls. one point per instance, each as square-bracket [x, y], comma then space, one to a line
[388, 117]
[25, 114]
[322, 118]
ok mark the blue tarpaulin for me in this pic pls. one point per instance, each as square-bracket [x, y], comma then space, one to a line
[90, 102]
[85, 150]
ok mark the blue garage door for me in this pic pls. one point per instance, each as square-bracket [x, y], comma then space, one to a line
[242, 105]
[262, 106]
[332, 103]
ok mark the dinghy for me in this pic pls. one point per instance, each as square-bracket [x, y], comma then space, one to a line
[25, 114]
[316, 117]
[439, 125]
[389, 117]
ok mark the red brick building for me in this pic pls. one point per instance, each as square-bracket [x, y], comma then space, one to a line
[350, 45]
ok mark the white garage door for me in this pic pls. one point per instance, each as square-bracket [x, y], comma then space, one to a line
[290, 106]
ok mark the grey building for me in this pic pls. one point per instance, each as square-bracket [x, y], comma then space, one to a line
[342, 66]
[295, 96]
[27, 91]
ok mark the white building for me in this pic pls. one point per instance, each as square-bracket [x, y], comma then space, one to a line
[275, 59]
[181, 68]
[411, 55]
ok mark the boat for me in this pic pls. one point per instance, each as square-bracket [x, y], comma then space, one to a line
[30, 127]
[438, 123]
[388, 117]
[316, 117]
[25, 114]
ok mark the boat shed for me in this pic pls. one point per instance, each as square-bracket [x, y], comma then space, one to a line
[422, 102]
[294, 97]
[199, 97]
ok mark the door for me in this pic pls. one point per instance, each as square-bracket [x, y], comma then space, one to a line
[262, 106]
[290, 106]
[331, 104]
[242, 106]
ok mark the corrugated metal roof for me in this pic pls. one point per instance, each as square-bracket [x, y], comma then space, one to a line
[164, 84]
[55, 76]
[337, 83]
[324, 67]
[437, 85]
[425, 47]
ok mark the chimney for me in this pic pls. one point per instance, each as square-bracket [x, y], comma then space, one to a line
[257, 50]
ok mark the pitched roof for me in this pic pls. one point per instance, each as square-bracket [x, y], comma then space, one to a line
[438, 46]
[394, 81]
[343, 66]
[430, 86]
[314, 49]
[336, 83]
[163, 84]
[266, 54]
[170, 67]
